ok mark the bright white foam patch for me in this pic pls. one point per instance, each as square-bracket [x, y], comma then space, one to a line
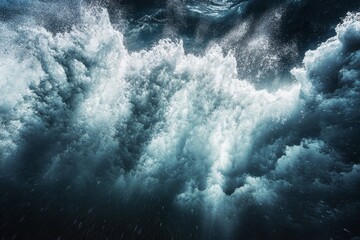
[163, 123]
[202, 118]
[322, 66]
[193, 119]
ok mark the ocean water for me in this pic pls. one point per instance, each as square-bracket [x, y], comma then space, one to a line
[179, 119]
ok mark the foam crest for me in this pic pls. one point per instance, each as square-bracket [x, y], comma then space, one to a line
[165, 127]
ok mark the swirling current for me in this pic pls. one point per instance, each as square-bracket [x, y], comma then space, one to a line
[179, 119]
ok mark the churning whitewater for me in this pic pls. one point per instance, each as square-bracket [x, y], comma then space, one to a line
[119, 123]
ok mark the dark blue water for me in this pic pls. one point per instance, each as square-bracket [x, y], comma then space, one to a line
[179, 119]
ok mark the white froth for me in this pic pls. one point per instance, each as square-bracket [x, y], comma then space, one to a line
[175, 117]
[204, 117]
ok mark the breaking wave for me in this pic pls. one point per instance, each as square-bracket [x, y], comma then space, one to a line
[163, 142]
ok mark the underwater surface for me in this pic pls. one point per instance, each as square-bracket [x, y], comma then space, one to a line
[179, 119]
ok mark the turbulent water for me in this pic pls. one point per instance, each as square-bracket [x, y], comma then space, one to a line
[179, 119]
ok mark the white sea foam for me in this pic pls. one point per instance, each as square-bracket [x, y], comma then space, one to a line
[159, 118]
[198, 106]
